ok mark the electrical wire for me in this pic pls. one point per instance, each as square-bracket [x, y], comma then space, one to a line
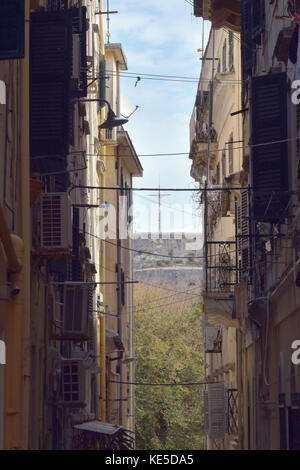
[274, 142]
[149, 384]
[165, 205]
[166, 78]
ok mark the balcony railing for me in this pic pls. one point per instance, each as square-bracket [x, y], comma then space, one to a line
[232, 411]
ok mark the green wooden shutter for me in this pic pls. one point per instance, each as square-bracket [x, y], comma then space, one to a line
[269, 124]
[230, 50]
[12, 29]
[102, 81]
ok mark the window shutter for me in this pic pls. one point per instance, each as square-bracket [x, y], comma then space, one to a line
[102, 85]
[12, 31]
[50, 76]
[217, 410]
[223, 165]
[224, 53]
[294, 426]
[123, 287]
[258, 20]
[230, 154]
[82, 92]
[77, 271]
[269, 123]
[247, 44]
[230, 50]
[243, 231]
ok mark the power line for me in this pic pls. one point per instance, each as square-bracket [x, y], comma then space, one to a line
[166, 205]
[154, 254]
[274, 142]
[168, 78]
[149, 384]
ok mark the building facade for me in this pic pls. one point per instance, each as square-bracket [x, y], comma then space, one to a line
[266, 299]
[60, 310]
[214, 132]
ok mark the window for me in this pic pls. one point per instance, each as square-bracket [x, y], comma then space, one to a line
[12, 31]
[230, 52]
[218, 173]
[223, 165]
[224, 57]
[230, 154]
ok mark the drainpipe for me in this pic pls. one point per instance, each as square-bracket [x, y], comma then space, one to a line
[103, 368]
[93, 164]
[119, 291]
[101, 258]
[26, 229]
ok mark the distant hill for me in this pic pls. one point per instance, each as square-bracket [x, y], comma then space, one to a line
[181, 265]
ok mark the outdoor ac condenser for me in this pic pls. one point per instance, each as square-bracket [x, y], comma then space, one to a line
[56, 222]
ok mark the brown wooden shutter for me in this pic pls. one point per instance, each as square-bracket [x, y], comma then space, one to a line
[269, 162]
[50, 76]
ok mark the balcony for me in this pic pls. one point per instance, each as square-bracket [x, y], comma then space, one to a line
[218, 308]
[225, 13]
[199, 147]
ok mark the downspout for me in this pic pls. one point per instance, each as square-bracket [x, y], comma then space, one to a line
[119, 289]
[132, 351]
[101, 257]
[93, 170]
[103, 368]
[26, 228]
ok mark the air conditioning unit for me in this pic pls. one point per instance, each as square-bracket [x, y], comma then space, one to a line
[76, 310]
[213, 339]
[56, 222]
[216, 410]
[74, 383]
[76, 57]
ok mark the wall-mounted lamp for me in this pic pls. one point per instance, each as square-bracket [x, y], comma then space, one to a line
[112, 120]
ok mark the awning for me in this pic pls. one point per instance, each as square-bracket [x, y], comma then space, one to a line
[97, 435]
[218, 306]
[98, 427]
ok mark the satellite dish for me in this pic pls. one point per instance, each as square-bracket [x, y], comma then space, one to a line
[126, 108]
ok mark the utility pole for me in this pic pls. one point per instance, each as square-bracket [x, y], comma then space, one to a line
[159, 196]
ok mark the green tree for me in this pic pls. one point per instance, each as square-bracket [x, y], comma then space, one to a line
[168, 344]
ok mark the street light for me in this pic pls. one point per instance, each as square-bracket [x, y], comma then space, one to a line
[112, 120]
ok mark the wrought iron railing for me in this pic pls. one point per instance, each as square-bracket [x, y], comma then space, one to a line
[232, 411]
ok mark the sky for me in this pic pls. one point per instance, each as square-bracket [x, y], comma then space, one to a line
[160, 37]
